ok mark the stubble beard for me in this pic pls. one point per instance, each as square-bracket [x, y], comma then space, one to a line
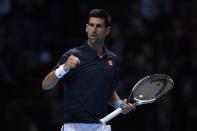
[96, 43]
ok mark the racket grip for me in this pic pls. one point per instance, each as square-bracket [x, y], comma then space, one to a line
[111, 115]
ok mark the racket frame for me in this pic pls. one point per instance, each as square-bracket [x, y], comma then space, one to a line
[136, 101]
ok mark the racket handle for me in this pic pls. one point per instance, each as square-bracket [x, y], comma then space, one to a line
[111, 115]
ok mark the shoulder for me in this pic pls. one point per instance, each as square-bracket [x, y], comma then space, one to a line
[111, 54]
[73, 51]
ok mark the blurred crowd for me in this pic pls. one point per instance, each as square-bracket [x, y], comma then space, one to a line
[149, 36]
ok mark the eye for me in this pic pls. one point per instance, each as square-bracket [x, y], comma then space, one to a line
[91, 24]
[99, 26]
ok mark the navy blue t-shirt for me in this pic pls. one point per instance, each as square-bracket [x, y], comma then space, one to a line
[88, 86]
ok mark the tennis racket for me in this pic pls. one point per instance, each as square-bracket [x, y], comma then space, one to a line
[148, 90]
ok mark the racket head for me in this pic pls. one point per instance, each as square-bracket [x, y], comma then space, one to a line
[150, 89]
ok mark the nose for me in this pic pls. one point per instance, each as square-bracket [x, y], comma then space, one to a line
[94, 29]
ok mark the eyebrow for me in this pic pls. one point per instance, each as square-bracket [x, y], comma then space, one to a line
[91, 24]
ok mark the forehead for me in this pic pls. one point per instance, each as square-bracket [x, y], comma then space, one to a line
[96, 20]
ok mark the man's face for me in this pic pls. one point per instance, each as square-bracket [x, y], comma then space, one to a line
[96, 30]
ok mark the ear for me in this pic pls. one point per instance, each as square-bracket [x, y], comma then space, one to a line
[108, 30]
[86, 27]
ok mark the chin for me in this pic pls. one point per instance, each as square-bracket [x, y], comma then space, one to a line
[92, 41]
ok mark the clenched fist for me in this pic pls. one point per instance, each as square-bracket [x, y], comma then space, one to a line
[71, 62]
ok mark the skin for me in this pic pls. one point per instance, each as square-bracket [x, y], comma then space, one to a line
[96, 31]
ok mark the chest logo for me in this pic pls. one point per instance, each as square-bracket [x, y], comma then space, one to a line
[110, 62]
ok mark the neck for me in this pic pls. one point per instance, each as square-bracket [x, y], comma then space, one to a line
[97, 47]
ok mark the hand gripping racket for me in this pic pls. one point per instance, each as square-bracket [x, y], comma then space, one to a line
[148, 90]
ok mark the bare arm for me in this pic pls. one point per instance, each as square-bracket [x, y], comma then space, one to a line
[51, 79]
[114, 98]
[125, 105]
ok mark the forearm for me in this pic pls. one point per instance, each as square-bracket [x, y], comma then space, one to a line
[115, 100]
[53, 77]
[50, 81]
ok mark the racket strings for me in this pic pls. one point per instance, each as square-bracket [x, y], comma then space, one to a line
[151, 89]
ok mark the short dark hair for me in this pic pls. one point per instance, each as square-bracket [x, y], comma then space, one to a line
[101, 13]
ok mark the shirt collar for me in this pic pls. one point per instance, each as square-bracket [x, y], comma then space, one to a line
[92, 53]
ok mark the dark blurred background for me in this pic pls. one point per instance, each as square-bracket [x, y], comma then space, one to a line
[149, 36]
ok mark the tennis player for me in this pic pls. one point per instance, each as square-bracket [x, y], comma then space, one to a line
[90, 75]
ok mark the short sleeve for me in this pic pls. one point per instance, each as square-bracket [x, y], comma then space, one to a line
[62, 59]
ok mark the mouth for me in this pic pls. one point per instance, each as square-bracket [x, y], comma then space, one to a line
[93, 35]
